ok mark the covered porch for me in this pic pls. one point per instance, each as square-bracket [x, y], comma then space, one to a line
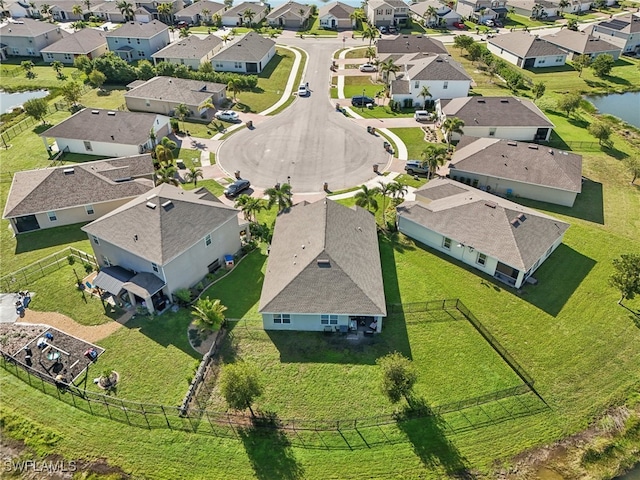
[142, 288]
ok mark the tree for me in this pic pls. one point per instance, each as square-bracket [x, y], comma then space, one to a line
[366, 198]
[462, 42]
[431, 15]
[626, 277]
[36, 108]
[450, 126]
[581, 62]
[165, 10]
[167, 174]
[76, 10]
[399, 376]
[538, 90]
[57, 67]
[563, 4]
[474, 52]
[280, 195]
[182, 112]
[387, 68]
[193, 175]
[126, 9]
[370, 53]
[385, 190]
[434, 155]
[145, 70]
[225, 38]
[600, 130]
[235, 87]
[572, 24]
[79, 25]
[87, 3]
[71, 92]
[97, 78]
[164, 151]
[115, 69]
[249, 206]
[424, 93]
[184, 33]
[370, 33]
[569, 102]
[208, 313]
[27, 66]
[248, 15]
[359, 17]
[632, 164]
[216, 19]
[602, 65]
[83, 63]
[45, 9]
[240, 385]
[398, 190]
[206, 69]
[228, 4]
[205, 15]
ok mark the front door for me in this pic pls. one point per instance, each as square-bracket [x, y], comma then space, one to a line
[529, 62]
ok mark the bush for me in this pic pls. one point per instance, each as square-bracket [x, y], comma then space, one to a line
[183, 295]
[71, 259]
[199, 286]
[88, 268]
[175, 125]
[75, 108]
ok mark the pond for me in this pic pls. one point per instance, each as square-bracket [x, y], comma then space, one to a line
[633, 474]
[8, 101]
[625, 106]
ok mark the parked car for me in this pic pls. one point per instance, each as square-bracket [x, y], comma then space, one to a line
[423, 116]
[393, 30]
[227, 116]
[383, 29]
[182, 25]
[460, 25]
[302, 90]
[416, 167]
[490, 23]
[367, 67]
[361, 101]
[237, 187]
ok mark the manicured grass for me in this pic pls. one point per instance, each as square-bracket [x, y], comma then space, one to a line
[410, 180]
[514, 20]
[297, 81]
[359, 52]
[58, 292]
[315, 29]
[386, 112]
[190, 157]
[211, 185]
[357, 85]
[110, 97]
[45, 75]
[413, 139]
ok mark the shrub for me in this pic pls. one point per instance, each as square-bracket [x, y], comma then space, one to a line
[71, 259]
[183, 295]
[88, 268]
[175, 125]
[199, 286]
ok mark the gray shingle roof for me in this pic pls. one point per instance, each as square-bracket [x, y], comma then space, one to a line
[81, 42]
[242, 7]
[191, 47]
[400, 87]
[162, 233]
[49, 189]
[410, 44]
[292, 7]
[27, 27]
[295, 282]
[519, 161]
[485, 222]
[178, 90]
[435, 67]
[628, 23]
[250, 48]
[198, 7]
[126, 128]
[421, 8]
[337, 9]
[138, 30]
[525, 45]
[580, 42]
[496, 111]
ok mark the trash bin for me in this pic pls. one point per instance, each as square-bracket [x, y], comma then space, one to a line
[375, 168]
[250, 124]
[338, 107]
[386, 145]
[368, 129]
[373, 131]
[237, 174]
[325, 186]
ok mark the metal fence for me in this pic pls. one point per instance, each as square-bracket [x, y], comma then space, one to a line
[20, 279]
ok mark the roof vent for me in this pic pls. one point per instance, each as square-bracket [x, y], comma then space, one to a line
[513, 144]
[151, 205]
[481, 100]
[95, 112]
[112, 114]
[68, 171]
[521, 217]
[491, 204]
[533, 147]
[324, 263]
[151, 197]
[112, 137]
[168, 205]
[504, 100]
[551, 152]
[515, 222]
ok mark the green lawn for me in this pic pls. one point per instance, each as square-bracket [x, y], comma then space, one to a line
[362, 85]
[413, 139]
[211, 185]
[191, 158]
[359, 52]
[45, 75]
[313, 28]
[386, 112]
[297, 81]
[514, 20]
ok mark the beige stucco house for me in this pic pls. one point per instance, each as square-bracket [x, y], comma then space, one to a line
[336, 15]
[87, 41]
[235, 16]
[191, 51]
[289, 15]
[248, 54]
[27, 37]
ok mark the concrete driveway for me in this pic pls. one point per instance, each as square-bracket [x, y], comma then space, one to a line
[309, 142]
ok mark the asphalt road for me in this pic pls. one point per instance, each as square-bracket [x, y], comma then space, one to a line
[309, 142]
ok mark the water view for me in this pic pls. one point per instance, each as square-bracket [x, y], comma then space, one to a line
[625, 106]
[631, 475]
[9, 101]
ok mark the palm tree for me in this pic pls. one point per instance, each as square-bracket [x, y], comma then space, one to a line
[302, 12]
[370, 53]
[126, 9]
[424, 93]
[77, 10]
[87, 3]
[563, 4]
[235, 87]
[182, 112]
[249, 206]
[397, 189]
[450, 126]
[57, 67]
[225, 38]
[434, 155]
[385, 190]
[205, 14]
[79, 25]
[359, 16]
[216, 19]
[45, 9]
[167, 174]
[193, 175]
[248, 15]
[281, 195]
[165, 10]
[370, 33]
[164, 151]
[431, 15]
[208, 313]
[366, 198]
[388, 67]
[184, 33]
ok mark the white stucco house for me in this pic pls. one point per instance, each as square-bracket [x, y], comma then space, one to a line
[166, 239]
[191, 51]
[496, 236]
[526, 51]
[497, 117]
[107, 133]
[324, 271]
[442, 14]
[622, 31]
[289, 15]
[248, 54]
[581, 43]
[517, 169]
[387, 12]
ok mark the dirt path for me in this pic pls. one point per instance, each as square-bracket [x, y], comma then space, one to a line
[92, 334]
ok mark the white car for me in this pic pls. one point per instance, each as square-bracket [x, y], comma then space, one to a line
[423, 116]
[367, 67]
[302, 90]
[228, 116]
[490, 23]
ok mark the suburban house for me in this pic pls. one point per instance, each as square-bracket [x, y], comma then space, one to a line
[17, 9]
[61, 10]
[336, 15]
[107, 133]
[482, 10]
[163, 240]
[403, 44]
[442, 75]
[86, 41]
[108, 12]
[149, 8]
[535, 8]
[517, 169]
[442, 15]
[27, 37]
[289, 15]
[497, 117]
[387, 12]
[248, 54]
[142, 15]
[191, 51]
[324, 271]
[202, 11]
[526, 51]
[581, 43]
[235, 16]
[163, 94]
[137, 40]
[622, 31]
[496, 236]
[52, 197]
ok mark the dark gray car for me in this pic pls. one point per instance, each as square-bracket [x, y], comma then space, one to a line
[237, 187]
[416, 167]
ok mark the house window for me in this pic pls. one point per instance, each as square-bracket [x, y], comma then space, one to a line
[237, 64]
[95, 240]
[482, 259]
[155, 267]
[549, 251]
[281, 318]
[16, 51]
[138, 41]
[417, 85]
[115, 40]
[378, 12]
[31, 51]
[541, 60]
[106, 261]
[492, 132]
[147, 103]
[207, 240]
[140, 53]
[67, 56]
[89, 209]
[128, 40]
[49, 56]
[559, 59]
[389, 12]
[445, 85]
[329, 319]
[219, 65]
[446, 243]
[52, 216]
[87, 146]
